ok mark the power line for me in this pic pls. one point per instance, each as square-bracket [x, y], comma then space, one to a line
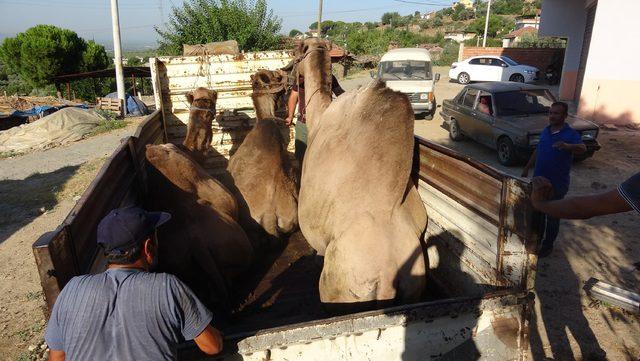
[422, 3]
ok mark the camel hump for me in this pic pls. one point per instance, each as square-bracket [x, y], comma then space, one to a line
[368, 135]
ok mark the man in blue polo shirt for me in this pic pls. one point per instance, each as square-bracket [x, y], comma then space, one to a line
[553, 158]
[127, 312]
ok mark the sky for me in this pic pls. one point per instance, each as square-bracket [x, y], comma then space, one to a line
[91, 19]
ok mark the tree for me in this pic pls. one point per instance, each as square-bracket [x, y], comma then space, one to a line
[391, 18]
[252, 25]
[43, 52]
[95, 57]
[496, 25]
[294, 32]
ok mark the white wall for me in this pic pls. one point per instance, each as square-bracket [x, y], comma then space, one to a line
[615, 44]
[565, 18]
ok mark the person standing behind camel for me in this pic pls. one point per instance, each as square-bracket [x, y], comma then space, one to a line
[552, 159]
[297, 96]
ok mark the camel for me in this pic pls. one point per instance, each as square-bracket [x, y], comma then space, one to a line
[203, 244]
[261, 168]
[357, 204]
[202, 110]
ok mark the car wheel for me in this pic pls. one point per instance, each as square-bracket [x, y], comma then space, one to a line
[454, 131]
[518, 78]
[463, 78]
[506, 151]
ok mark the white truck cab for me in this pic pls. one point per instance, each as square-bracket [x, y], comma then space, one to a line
[408, 70]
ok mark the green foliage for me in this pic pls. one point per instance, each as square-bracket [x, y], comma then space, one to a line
[505, 7]
[388, 18]
[377, 42]
[449, 54]
[461, 13]
[134, 61]
[43, 52]
[294, 32]
[108, 125]
[251, 24]
[534, 41]
[95, 57]
[11, 83]
[497, 25]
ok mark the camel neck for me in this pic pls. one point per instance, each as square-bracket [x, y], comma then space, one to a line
[317, 97]
[265, 106]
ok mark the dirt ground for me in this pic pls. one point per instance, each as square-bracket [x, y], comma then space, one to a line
[37, 191]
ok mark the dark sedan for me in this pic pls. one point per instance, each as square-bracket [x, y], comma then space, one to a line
[508, 117]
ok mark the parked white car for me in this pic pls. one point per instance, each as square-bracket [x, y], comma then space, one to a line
[492, 68]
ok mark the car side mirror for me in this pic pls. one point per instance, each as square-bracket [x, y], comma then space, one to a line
[437, 77]
[373, 75]
[505, 65]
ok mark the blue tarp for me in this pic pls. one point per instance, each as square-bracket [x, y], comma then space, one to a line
[38, 109]
[135, 107]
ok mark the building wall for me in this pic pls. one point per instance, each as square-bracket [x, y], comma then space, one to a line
[538, 57]
[610, 92]
[566, 19]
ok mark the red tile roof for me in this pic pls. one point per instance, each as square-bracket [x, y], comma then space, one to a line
[520, 32]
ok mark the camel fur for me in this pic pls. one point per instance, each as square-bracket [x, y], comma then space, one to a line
[201, 114]
[203, 244]
[261, 168]
[357, 205]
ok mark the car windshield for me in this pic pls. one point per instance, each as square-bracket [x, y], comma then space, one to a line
[509, 61]
[523, 102]
[405, 70]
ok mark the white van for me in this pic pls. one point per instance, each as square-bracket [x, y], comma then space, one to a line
[408, 70]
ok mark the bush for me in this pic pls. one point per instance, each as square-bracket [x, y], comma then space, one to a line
[294, 32]
[497, 25]
[253, 25]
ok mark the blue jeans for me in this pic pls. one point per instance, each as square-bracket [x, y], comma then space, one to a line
[551, 228]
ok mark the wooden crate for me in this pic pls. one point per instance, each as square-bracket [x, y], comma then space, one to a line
[110, 104]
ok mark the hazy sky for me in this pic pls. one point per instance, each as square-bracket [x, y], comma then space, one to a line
[91, 19]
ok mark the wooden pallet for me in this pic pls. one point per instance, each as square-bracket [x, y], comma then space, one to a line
[110, 104]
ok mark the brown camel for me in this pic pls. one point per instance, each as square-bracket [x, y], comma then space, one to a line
[358, 206]
[203, 244]
[261, 168]
[202, 110]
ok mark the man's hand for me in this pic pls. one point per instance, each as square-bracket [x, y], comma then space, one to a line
[561, 145]
[542, 190]
[288, 121]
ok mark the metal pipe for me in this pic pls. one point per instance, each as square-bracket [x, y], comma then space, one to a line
[117, 50]
[320, 20]
[486, 25]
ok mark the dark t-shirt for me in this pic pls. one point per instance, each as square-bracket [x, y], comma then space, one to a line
[555, 164]
[124, 314]
[335, 88]
[630, 191]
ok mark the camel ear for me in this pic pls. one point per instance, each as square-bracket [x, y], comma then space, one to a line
[213, 94]
[189, 96]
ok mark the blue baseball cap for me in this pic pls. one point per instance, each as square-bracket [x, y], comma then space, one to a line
[126, 227]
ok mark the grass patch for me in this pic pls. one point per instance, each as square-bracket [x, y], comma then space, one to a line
[108, 125]
[9, 154]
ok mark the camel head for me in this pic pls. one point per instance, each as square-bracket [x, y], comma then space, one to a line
[312, 56]
[159, 154]
[268, 88]
[203, 99]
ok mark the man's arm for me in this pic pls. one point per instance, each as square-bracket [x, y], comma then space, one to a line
[576, 207]
[530, 163]
[291, 106]
[576, 149]
[55, 355]
[209, 341]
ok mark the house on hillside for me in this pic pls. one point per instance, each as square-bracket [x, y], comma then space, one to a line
[468, 4]
[516, 36]
[459, 36]
[429, 15]
[532, 21]
[602, 43]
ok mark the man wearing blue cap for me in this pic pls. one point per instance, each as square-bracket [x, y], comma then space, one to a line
[127, 312]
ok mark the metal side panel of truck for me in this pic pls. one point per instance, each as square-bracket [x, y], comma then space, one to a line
[480, 240]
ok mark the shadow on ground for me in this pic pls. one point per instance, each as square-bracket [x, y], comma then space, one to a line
[25, 199]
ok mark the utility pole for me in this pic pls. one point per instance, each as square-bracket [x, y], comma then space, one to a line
[486, 25]
[117, 52]
[320, 19]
